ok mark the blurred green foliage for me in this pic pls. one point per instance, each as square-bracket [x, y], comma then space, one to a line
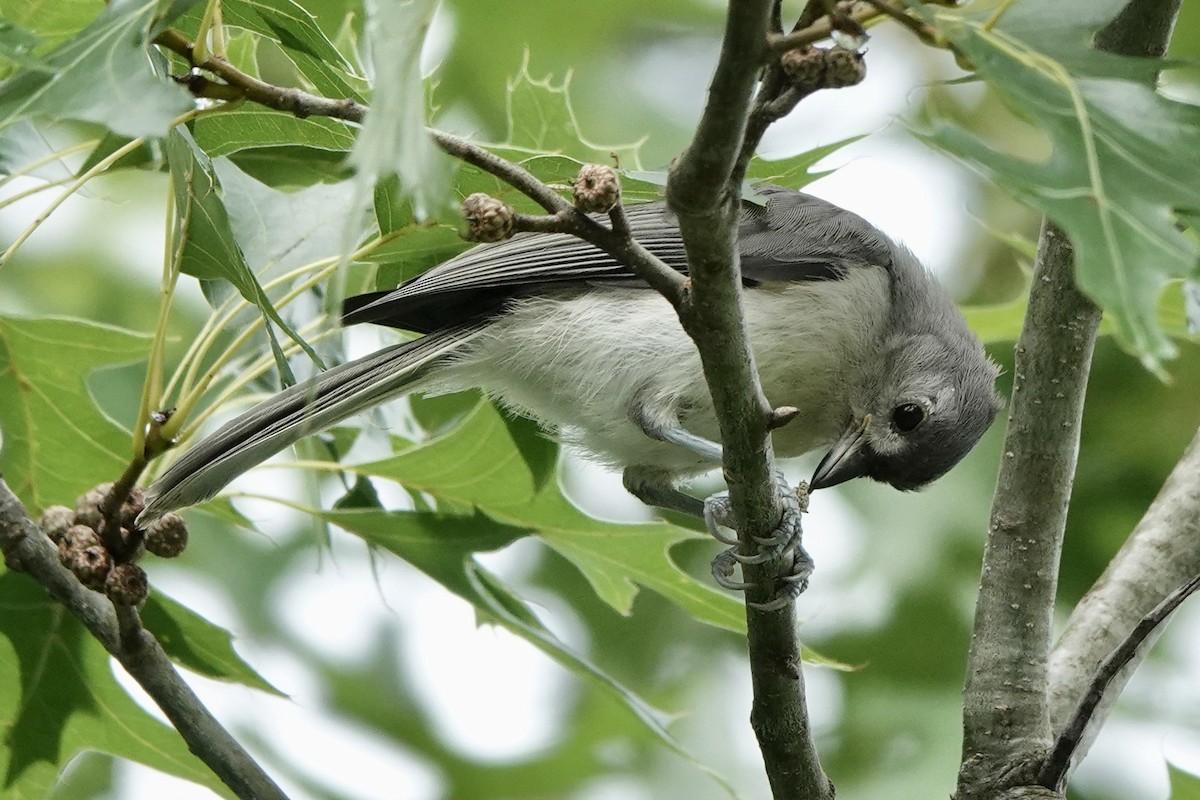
[265, 194]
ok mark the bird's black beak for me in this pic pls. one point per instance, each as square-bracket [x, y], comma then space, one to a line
[848, 458]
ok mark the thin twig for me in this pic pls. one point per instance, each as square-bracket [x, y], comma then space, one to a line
[817, 31]
[1159, 555]
[514, 175]
[813, 11]
[779, 715]
[111, 504]
[543, 223]
[618, 220]
[704, 192]
[28, 549]
[922, 31]
[1058, 763]
[620, 246]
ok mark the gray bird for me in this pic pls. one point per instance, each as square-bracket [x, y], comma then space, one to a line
[846, 326]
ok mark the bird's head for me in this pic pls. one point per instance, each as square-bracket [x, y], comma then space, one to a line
[916, 414]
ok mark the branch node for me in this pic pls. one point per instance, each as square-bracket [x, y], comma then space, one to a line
[781, 416]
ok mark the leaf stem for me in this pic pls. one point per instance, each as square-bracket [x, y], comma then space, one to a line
[152, 387]
[97, 169]
[12, 199]
[1000, 11]
[75, 185]
[250, 373]
[193, 389]
[57, 155]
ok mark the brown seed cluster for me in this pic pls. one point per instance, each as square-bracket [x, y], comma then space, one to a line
[597, 188]
[812, 68]
[488, 219]
[81, 548]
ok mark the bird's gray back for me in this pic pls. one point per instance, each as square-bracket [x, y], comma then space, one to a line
[789, 236]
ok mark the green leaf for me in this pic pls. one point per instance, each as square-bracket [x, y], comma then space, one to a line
[999, 322]
[479, 464]
[51, 22]
[541, 119]
[289, 33]
[17, 46]
[102, 75]
[439, 414]
[287, 23]
[68, 701]
[443, 547]
[617, 559]
[437, 544]
[795, 172]
[56, 442]
[149, 154]
[22, 144]
[277, 148]
[210, 249]
[255, 127]
[194, 642]
[538, 451]
[1114, 181]
[1191, 294]
[417, 248]
[290, 166]
[394, 140]
[279, 231]
[476, 464]
[544, 136]
[1184, 785]
[241, 50]
[361, 495]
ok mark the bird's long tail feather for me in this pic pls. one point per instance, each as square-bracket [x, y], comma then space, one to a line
[296, 412]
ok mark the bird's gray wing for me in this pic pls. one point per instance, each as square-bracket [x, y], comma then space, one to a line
[794, 237]
[296, 412]
[482, 279]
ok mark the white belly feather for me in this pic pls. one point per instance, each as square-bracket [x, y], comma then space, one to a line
[534, 361]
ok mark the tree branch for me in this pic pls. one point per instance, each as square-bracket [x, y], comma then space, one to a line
[1162, 552]
[1058, 763]
[27, 549]
[1007, 708]
[704, 191]
[821, 28]
[616, 242]
[1006, 718]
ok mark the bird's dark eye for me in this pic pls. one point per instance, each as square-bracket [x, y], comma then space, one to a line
[907, 417]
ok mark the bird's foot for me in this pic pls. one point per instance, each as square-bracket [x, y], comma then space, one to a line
[782, 547]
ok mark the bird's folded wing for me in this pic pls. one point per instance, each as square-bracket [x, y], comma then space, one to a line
[793, 237]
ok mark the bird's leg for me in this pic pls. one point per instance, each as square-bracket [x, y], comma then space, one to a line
[784, 546]
[654, 487]
[663, 426]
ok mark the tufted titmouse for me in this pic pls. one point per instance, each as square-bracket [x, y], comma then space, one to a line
[846, 326]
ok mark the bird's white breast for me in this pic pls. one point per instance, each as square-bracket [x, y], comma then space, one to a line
[578, 362]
